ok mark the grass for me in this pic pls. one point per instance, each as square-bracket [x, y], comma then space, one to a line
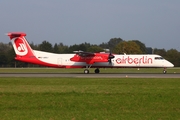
[89, 98]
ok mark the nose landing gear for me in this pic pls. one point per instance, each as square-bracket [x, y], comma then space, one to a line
[164, 70]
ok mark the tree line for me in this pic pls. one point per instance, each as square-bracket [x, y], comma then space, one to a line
[114, 45]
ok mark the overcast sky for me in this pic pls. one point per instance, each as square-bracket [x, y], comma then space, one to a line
[156, 23]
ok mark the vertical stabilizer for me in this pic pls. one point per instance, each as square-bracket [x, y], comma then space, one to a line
[20, 45]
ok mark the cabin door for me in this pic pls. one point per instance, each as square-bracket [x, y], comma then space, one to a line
[60, 61]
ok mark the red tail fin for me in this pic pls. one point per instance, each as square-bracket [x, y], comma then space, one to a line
[20, 45]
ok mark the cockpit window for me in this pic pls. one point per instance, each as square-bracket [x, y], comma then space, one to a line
[159, 58]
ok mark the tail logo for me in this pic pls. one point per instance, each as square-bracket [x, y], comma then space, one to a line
[19, 46]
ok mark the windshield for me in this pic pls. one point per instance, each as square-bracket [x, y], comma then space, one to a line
[159, 58]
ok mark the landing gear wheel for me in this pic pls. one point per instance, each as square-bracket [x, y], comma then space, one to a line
[86, 71]
[96, 70]
[164, 71]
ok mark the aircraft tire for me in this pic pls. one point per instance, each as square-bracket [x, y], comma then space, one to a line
[86, 71]
[96, 70]
[164, 71]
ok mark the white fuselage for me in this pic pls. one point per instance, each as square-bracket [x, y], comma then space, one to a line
[143, 60]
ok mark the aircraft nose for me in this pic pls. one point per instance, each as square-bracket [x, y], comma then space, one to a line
[170, 64]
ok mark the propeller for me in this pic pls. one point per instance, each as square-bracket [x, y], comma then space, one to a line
[111, 56]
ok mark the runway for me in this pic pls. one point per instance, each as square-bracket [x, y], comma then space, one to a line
[79, 75]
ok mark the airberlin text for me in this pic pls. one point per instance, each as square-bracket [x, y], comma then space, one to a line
[91, 57]
[130, 60]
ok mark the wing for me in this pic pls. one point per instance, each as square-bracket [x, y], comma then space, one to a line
[84, 54]
[91, 58]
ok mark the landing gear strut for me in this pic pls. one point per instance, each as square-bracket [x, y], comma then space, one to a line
[164, 71]
[86, 71]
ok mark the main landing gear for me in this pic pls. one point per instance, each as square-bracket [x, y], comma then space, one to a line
[86, 71]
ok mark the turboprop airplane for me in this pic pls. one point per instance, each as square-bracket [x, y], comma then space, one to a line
[81, 59]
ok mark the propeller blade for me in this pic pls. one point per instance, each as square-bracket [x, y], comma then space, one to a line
[111, 56]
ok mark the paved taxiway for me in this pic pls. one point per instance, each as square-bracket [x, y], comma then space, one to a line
[78, 75]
